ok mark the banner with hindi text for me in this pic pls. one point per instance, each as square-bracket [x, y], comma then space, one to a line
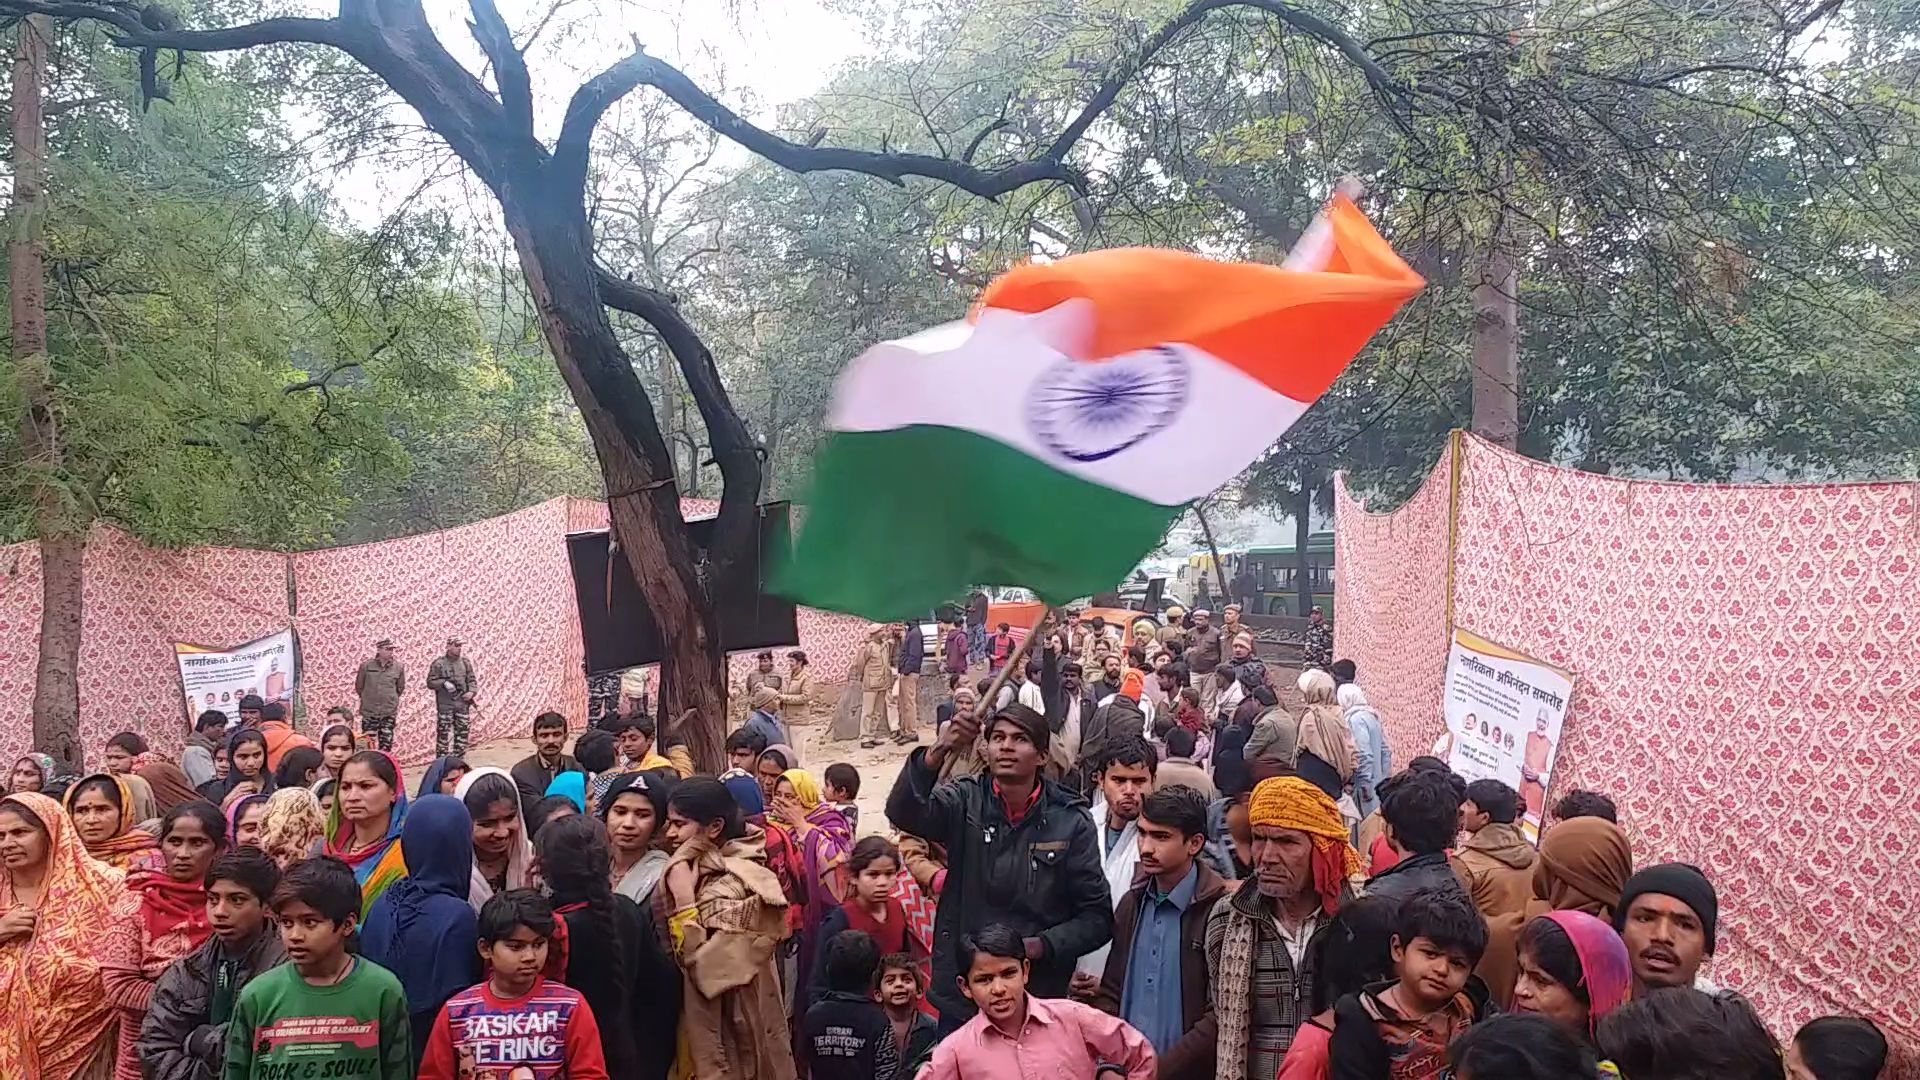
[218, 678]
[1504, 710]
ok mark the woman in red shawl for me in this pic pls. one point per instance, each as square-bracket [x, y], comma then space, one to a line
[55, 903]
[164, 919]
[1187, 714]
[102, 811]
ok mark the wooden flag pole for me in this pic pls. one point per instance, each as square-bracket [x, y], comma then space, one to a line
[984, 707]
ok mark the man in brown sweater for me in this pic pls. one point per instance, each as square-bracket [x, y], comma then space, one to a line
[1496, 862]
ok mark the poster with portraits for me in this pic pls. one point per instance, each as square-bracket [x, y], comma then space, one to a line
[1504, 710]
[215, 678]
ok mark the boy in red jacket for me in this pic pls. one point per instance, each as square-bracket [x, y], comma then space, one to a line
[517, 1022]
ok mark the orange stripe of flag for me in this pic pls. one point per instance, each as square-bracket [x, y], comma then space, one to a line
[1292, 330]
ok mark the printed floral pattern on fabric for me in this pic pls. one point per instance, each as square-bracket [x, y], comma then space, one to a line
[1390, 607]
[1746, 680]
[502, 584]
[137, 601]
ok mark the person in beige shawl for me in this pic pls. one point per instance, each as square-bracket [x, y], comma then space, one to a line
[726, 916]
[1324, 734]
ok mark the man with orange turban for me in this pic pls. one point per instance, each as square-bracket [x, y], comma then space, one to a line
[1257, 939]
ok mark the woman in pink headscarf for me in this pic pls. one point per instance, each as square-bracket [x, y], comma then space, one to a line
[1573, 970]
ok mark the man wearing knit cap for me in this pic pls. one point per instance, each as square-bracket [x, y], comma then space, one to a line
[1668, 916]
[1257, 939]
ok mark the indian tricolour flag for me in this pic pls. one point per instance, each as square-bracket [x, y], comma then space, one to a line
[1050, 439]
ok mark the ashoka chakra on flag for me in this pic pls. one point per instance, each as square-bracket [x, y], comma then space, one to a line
[1050, 440]
[1089, 411]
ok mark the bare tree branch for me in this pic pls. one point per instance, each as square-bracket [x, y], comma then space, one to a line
[509, 64]
[973, 145]
[735, 450]
[599, 93]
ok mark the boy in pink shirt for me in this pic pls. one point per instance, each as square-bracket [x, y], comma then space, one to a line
[1015, 1034]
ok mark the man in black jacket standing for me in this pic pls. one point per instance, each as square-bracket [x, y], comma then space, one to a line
[1020, 851]
[913, 653]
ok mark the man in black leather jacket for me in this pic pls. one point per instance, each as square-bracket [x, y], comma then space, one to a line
[1020, 851]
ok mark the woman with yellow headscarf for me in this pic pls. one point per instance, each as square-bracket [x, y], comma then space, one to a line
[823, 839]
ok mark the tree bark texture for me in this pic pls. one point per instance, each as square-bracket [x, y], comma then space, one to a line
[552, 238]
[62, 535]
[1496, 345]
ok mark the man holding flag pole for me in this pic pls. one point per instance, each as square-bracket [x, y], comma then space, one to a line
[1021, 850]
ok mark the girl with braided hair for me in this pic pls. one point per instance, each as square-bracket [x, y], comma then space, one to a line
[597, 947]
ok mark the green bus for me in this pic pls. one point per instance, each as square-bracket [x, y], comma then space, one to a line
[1274, 573]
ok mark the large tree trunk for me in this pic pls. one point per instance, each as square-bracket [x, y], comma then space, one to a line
[62, 534]
[550, 235]
[1496, 344]
[666, 413]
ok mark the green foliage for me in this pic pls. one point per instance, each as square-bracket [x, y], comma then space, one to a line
[1710, 210]
[237, 364]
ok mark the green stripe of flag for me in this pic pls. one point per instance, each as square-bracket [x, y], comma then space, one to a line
[900, 521]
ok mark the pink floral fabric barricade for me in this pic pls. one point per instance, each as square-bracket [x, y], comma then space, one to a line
[1747, 690]
[136, 602]
[503, 585]
[1390, 606]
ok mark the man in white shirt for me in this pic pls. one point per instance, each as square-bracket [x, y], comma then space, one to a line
[1124, 777]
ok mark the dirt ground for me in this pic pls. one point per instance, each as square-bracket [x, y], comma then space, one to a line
[878, 767]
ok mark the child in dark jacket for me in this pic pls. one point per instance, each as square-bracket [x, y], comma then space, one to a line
[846, 1035]
[1400, 1030]
[901, 988]
[184, 1034]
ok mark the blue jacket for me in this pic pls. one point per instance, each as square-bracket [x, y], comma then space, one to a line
[1372, 761]
[913, 651]
[422, 928]
[768, 725]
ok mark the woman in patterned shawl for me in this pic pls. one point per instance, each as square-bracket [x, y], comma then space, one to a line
[725, 917]
[33, 772]
[363, 830]
[102, 809]
[823, 841]
[55, 902]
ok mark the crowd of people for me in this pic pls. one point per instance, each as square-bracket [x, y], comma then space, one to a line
[1137, 862]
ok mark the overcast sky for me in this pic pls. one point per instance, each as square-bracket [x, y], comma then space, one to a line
[754, 55]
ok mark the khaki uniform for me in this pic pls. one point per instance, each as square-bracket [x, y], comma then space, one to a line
[379, 687]
[876, 678]
[796, 701]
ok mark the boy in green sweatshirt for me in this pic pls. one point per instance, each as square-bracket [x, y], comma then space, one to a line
[324, 1013]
